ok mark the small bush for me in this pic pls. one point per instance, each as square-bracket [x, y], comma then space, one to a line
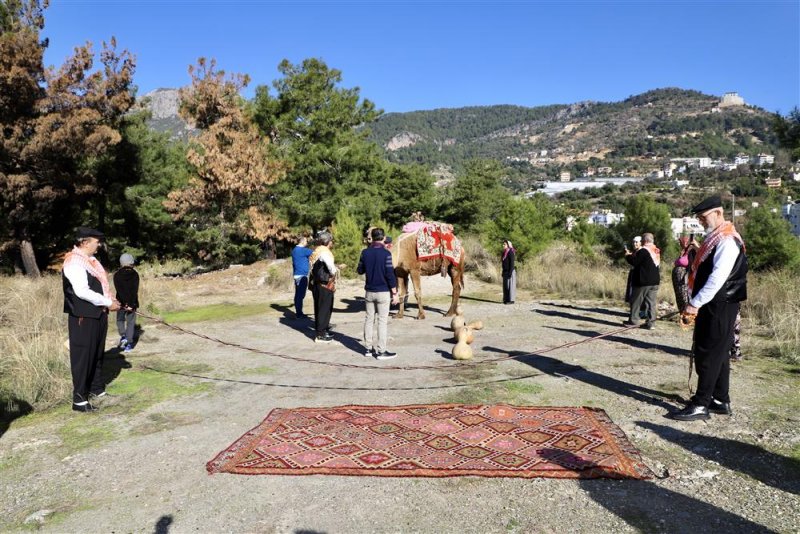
[484, 265]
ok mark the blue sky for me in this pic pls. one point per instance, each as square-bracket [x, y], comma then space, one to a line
[424, 55]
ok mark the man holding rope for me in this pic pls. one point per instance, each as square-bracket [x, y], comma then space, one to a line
[717, 284]
[87, 301]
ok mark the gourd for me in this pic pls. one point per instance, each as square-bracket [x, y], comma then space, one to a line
[458, 321]
[462, 351]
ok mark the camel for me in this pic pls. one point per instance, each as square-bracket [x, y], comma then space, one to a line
[404, 257]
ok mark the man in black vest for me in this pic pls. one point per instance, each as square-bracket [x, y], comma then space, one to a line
[718, 283]
[87, 300]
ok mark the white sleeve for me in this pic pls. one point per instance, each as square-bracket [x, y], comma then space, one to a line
[724, 260]
[328, 259]
[80, 285]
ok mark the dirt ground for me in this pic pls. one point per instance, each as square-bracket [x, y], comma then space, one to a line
[137, 467]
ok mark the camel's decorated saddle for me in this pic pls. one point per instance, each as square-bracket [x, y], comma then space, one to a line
[435, 240]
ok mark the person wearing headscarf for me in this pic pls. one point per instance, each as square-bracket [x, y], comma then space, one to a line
[87, 301]
[509, 272]
[645, 278]
[680, 271]
[718, 283]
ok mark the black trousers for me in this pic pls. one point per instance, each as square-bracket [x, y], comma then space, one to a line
[87, 340]
[323, 308]
[713, 336]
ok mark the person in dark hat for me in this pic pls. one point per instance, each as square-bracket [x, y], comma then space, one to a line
[717, 284]
[87, 301]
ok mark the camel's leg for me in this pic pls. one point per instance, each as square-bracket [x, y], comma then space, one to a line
[455, 276]
[415, 278]
[402, 294]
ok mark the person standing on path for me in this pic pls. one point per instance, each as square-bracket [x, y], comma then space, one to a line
[87, 301]
[322, 280]
[300, 267]
[718, 283]
[126, 282]
[509, 272]
[680, 271]
[381, 291]
[645, 279]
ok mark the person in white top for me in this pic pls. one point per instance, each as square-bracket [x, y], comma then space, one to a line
[717, 284]
[87, 301]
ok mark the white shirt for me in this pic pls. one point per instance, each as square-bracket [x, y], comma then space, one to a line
[724, 259]
[78, 277]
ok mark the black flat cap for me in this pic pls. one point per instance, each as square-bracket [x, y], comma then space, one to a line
[83, 232]
[708, 204]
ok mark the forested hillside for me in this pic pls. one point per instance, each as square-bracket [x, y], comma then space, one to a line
[540, 142]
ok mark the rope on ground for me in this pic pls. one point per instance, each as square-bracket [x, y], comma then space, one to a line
[461, 364]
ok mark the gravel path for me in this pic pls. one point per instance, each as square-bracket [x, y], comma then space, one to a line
[727, 474]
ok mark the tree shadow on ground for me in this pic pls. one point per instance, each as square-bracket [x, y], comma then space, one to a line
[647, 507]
[163, 524]
[11, 409]
[605, 311]
[780, 472]
[635, 343]
[574, 317]
[558, 368]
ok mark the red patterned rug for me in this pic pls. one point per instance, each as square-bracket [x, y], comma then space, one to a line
[435, 440]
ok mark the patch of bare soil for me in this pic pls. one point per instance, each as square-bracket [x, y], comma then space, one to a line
[147, 472]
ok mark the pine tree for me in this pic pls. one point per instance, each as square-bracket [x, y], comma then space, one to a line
[55, 125]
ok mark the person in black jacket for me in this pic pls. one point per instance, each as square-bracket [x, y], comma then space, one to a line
[87, 301]
[381, 291]
[645, 279]
[509, 273]
[126, 282]
[718, 283]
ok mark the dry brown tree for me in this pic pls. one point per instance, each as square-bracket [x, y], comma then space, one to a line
[233, 166]
[53, 122]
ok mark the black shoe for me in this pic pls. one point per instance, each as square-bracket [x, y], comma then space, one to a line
[324, 338]
[86, 408]
[385, 355]
[720, 408]
[650, 326]
[693, 412]
[301, 316]
[628, 323]
[331, 327]
[101, 395]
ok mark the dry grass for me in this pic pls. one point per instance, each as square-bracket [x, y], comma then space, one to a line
[772, 302]
[34, 362]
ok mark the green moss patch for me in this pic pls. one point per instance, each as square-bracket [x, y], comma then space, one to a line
[216, 312]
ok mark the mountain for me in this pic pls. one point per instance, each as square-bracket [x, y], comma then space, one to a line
[540, 142]
[163, 105]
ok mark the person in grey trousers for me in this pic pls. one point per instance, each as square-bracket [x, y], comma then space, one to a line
[126, 282]
[381, 292]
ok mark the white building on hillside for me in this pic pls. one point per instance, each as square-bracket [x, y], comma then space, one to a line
[606, 218]
[791, 212]
[731, 99]
[686, 225]
[764, 159]
[741, 159]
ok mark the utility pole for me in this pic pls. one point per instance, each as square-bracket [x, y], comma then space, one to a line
[733, 208]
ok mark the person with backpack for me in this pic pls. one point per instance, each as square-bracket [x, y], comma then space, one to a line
[322, 280]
